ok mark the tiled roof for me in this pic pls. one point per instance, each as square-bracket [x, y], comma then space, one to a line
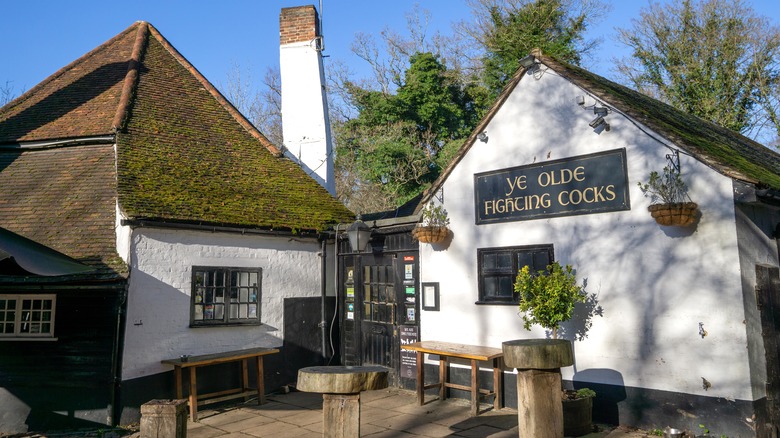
[726, 151]
[183, 157]
[79, 100]
[63, 199]
[183, 154]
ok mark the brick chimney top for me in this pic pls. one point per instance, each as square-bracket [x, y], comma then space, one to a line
[298, 24]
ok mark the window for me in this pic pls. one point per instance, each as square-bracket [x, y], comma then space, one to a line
[498, 268]
[225, 296]
[27, 316]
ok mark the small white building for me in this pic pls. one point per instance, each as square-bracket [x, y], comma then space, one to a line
[671, 334]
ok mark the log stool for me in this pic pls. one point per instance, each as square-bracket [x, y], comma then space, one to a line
[538, 363]
[341, 387]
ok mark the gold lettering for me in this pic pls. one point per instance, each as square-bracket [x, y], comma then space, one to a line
[579, 173]
[611, 192]
[519, 182]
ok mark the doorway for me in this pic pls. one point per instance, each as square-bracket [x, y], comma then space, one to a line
[380, 304]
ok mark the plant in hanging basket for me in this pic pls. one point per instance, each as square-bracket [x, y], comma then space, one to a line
[433, 226]
[668, 193]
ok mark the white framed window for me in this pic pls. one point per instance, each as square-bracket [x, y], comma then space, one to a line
[27, 316]
[225, 296]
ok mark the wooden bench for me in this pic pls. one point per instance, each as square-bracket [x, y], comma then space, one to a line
[474, 353]
[194, 362]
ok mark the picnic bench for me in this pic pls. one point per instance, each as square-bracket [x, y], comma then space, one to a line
[195, 362]
[475, 354]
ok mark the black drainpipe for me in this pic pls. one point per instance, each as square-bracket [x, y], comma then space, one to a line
[116, 359]
[324, 291]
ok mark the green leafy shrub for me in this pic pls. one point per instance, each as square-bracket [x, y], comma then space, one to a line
[548, 298]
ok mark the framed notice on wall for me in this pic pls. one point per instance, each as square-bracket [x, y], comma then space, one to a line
[430, 296]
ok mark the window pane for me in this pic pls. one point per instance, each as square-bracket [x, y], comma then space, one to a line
[504, 261]
[489, 261]
[541, 260]
[505, 287]
[525, 259]
[489, 287]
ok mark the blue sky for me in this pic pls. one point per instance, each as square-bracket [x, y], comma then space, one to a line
[41, 36]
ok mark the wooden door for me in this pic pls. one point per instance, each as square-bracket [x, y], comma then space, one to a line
[768, 298]
[379, 311]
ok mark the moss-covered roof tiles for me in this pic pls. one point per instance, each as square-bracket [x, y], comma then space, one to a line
[146, 131]
[727, 151]
[183, 157]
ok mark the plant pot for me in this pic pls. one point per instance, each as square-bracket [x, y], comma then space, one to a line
[430, 234]
[577, 416]
[680, 214]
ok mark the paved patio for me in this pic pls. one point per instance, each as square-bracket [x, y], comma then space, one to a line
[385, 413]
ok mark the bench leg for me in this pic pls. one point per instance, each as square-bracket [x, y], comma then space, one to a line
[193, 394]
[497, 384]
[474, 387]
[420, 379]
[443, 377]
[177, 376]
[260, 381]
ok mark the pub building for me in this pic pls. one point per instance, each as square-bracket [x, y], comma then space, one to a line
[677, 329]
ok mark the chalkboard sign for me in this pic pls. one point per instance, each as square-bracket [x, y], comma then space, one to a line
[585, 184]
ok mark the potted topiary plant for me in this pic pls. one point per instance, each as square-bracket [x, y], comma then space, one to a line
[668, 194]
[548, 298]
[433, 226]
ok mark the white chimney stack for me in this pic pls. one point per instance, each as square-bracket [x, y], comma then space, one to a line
[305, 123]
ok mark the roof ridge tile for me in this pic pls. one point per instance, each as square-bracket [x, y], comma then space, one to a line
[131, 79]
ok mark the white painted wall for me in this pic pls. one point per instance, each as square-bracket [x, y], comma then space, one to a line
[158, 308]
[654, 284]
[305, 123]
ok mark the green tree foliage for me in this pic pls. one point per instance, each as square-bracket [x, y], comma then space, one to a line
[542, 24]
[396, 139]
[712, 58]
[548, 298]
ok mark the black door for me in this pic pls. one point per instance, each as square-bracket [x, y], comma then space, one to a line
[379, 296]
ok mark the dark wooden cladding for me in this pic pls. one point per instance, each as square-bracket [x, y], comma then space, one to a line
[75, 369]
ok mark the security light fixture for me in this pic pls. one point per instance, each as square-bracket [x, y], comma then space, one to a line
[482, 136]
[528, 61]
[359, 234]
[597, 122]
[580, 100]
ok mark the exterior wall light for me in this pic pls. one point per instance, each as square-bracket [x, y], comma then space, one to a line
[528, 61]
[359, 235]
[482, 136]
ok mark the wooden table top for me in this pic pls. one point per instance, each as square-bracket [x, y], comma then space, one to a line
[214, 358]
[465, 351]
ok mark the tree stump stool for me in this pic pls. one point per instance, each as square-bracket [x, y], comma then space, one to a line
[341, 387]
[538, 363]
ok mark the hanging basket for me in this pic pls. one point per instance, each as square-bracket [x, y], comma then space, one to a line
[430, 234]
[680, 214]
